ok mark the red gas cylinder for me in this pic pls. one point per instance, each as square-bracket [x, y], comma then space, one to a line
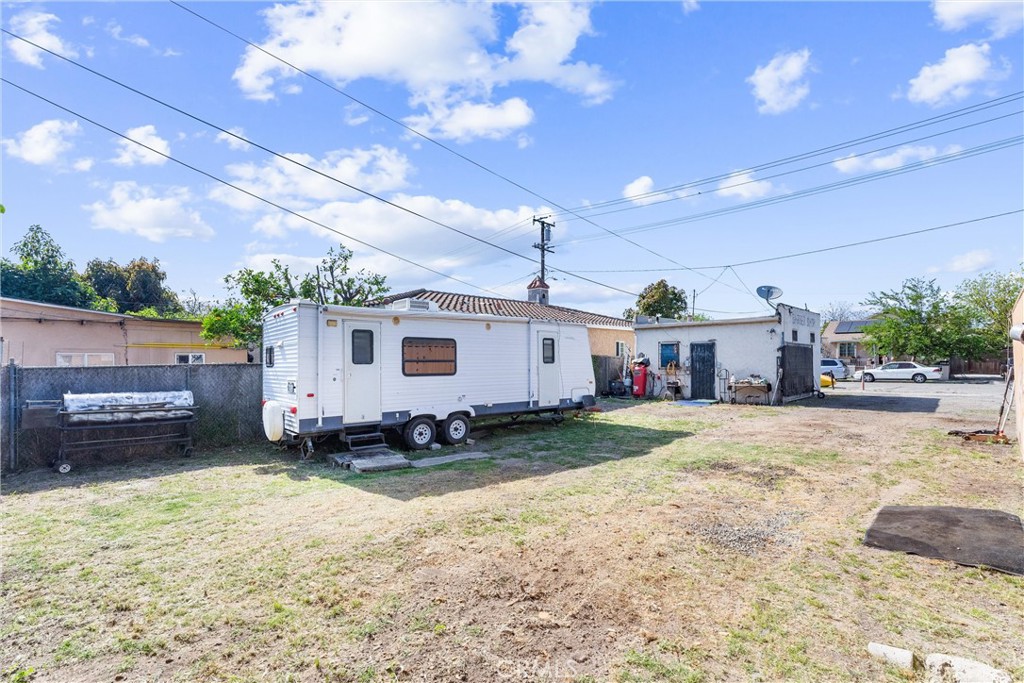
[639, 381]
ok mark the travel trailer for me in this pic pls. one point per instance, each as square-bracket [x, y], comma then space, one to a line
[420, 372]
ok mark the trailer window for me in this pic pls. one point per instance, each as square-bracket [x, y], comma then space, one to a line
[668, 353]
[425, 356]
[268, 360]
[549, 350]
[362, 347]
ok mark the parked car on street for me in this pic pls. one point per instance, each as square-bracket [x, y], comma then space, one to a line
[902, 369]
[836, 367]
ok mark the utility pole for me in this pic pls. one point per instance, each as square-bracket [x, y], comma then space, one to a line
[545, 238]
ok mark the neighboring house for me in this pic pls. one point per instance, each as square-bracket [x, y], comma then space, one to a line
[608, 336]
[38, 334]
[844, 339]
[707, 355]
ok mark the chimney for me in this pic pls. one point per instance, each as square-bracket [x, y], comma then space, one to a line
[537, 291]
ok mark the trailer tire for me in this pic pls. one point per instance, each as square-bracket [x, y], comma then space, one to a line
[419, 433]
[455, 430]
[64, 468]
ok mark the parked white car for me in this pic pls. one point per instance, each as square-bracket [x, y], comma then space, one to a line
[902, 369]
[836, 367]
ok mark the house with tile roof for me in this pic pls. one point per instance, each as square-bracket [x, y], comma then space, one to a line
[609, 336]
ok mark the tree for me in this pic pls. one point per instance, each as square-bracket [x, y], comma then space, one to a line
[255, 292]
[659, 299]
[987, 301]
[920, 321]
[135, 287]
[44, 273]
[842, 310]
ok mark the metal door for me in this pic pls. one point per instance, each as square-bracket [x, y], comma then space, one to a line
[362, 372]
[702, 370]
[547, 368]
[797, 370]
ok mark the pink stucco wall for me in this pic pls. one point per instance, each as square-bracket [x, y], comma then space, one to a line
[33, 334]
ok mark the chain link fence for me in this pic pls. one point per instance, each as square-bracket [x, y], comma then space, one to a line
[227, 396]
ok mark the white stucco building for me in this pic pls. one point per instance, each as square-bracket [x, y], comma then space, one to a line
[714, 357]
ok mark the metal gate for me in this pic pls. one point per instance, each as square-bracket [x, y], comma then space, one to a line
[702, 370]
[797, 370]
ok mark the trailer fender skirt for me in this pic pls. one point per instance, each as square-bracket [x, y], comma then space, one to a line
[273, 420]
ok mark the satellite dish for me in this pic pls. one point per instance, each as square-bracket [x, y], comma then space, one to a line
[769, 292]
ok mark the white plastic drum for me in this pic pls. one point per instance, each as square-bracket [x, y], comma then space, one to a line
[273, 420]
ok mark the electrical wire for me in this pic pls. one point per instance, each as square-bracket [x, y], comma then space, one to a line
[836, 247]
[429, 139]
[241, 189]
[830, 162]
[290, 160]
[941, 118]
[819, 189]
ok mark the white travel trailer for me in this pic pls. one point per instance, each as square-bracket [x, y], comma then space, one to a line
[356, 372]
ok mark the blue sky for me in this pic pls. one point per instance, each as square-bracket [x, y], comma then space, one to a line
[578, 104]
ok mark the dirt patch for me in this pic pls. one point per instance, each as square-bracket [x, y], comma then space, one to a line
[652, 542]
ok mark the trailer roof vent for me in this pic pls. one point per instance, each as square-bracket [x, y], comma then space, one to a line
[414, 305]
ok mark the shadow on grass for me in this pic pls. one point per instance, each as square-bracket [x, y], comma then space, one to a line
[527, 449]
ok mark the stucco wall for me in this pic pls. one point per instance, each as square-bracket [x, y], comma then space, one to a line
[742, 349]
[602, 339]
[33, 335]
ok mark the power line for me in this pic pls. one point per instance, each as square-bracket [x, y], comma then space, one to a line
[823, 249]
[819, 189]
[429, 139]
[804, 168]
[956, 113]
[292, 161]
[241, 189]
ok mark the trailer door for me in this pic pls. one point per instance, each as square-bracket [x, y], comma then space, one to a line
[362, 372]
[548, 377]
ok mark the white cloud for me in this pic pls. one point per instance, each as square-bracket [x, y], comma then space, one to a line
[43, 143]
[35, 26]
[969, 262]
[83, 164]
[884, 162]
[450, 70]
[641, 186]
[232, 141]
[117, 33]
[780, 85]
[466, 121]
[955, 76]
[134, 209]
[356, 115]
[378, 169]
[130, 153]
[742, 184]
[690, 6]
[1002, 17]
[403, 233]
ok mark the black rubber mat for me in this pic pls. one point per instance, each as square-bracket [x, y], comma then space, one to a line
[968, 536]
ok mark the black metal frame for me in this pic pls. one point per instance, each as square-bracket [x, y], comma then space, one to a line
[183, 435]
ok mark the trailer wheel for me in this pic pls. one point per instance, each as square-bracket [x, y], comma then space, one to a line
[64, 468]
[455, 429]
[419, 433]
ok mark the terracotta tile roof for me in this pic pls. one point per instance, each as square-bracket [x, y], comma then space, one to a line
[538, 283]
[513, 308]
